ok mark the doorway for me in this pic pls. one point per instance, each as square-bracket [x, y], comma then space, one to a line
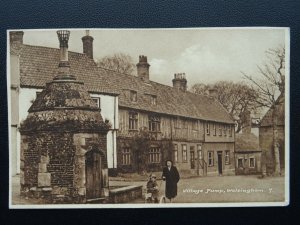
[220, 163]
[192, 159]
[93, 165]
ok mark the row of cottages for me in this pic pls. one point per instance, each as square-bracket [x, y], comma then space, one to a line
[150, 122]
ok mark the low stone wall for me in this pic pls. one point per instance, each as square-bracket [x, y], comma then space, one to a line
[125, 194]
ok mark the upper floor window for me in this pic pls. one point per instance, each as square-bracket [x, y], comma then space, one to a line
[97, 101]
[153, 100]
[177, 123]
[154, 123]
[133, 120]
[220, 130]
[230, 130]
[207, 128]
[225, 130]
[215, 129]
[195, 125]
[185, 124]
[133, 96]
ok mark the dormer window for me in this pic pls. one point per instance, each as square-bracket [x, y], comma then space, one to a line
[97, 101]
[153, 100]
[133, 96]
[154, 123]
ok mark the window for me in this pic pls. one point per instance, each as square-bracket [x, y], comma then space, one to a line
[133, 120]
[225, 130]
[97, 101]
[37, 93]
[210, 157]
[185, 124]
[199, 149]
[154, 155]
[184, 153]
[153, 100]
[177, 123]
[126, 156]
[207, 128]
[230, 131]
[220, 130]
[227, 157]
[251, 162]
[175, 153]
[215, 129]
[154, 123]
[240, 163]
[133, 96]
[195, 125]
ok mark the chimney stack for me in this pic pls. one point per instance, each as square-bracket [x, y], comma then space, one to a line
[64, 65]
[246, 129]
[143, 68]
[212, 92]
[16, 38]
[180, 81]
[87, 42]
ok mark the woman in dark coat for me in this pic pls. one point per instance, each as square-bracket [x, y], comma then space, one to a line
[171, 176]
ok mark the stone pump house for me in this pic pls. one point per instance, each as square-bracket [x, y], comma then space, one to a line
[63, 141]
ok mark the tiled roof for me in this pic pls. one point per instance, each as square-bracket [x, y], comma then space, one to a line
[246, 143]
[267, 119]
[39, 65]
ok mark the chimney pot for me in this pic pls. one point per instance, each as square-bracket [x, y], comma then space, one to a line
[180, 81]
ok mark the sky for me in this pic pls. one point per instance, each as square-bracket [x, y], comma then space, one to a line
[204, 55]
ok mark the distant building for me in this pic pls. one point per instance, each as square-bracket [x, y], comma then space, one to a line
[247, 154]
[266, 135]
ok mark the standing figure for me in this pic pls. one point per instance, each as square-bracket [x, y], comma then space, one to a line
[171, 176]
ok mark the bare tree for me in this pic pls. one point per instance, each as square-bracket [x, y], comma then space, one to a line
[270, 87]
[118, 62]
[237, 98]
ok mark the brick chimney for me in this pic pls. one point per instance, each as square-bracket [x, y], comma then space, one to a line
[87, 42]
[143, 68]
[180, 81]
[246, 129]
[212, 92]
[16, 38]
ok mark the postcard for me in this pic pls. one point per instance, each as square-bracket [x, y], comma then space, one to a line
[131, 118]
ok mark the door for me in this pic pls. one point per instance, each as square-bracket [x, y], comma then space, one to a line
[93, 175]
[192, 159]
[220, 163]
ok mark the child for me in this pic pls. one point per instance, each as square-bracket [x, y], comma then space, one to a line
[152, 188]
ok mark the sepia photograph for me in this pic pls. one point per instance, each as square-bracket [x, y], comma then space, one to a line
[137, 118]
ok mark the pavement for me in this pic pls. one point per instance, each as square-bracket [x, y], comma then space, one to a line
[218, 189]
